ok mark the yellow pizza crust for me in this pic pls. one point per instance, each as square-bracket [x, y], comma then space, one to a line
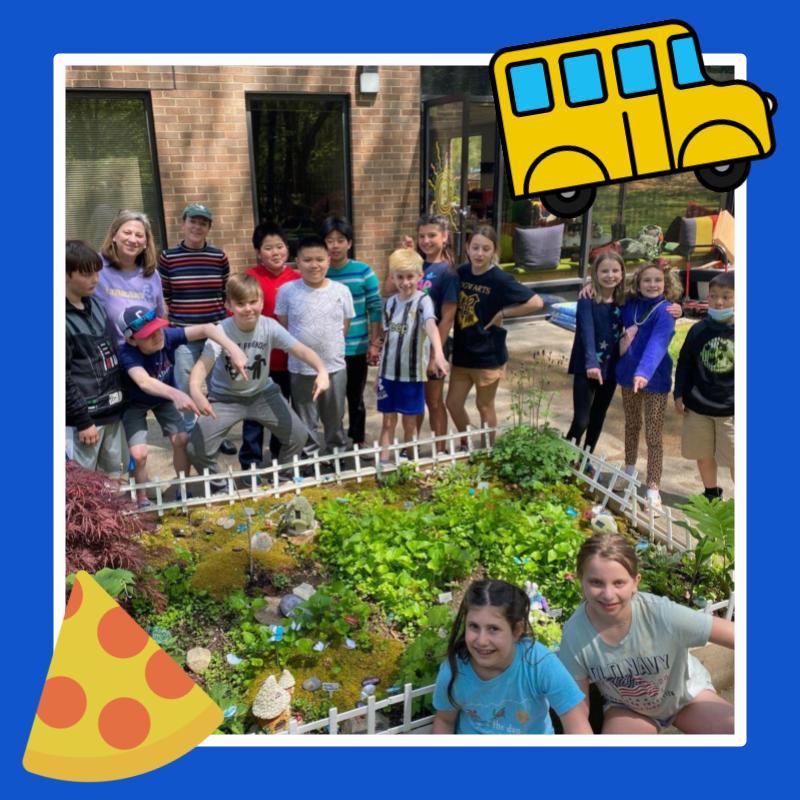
[116, 720]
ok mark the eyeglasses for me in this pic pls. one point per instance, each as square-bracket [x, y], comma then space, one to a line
[138, 323]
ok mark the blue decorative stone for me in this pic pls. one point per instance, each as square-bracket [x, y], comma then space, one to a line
[288, 604]
[571, 512]
[641, 545]
[370, 681]
[349, 644]
[471, 492]
[342, 500]
[229, 712]
[233, 660]
[312, 684]
[241, 527]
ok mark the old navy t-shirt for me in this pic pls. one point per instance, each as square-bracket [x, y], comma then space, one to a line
[224, 383]
[650, 670]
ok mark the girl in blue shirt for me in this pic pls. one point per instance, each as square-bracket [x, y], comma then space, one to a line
[596, 349]
[496, 678]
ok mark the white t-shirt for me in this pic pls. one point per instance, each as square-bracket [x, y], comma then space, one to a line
[316, 318]
[224, 383]
[650, 670]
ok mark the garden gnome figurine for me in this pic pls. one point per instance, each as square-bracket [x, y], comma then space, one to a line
[538, 601]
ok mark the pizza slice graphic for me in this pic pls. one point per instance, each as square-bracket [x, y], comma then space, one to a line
[114, 704]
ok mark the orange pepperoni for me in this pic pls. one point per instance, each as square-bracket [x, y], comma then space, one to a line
[63, 702]
[124, 723]
[166, 678]
[75, 600]
[119, 635]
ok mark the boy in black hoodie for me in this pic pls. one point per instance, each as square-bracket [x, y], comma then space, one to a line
[704, 387]
[95, 438]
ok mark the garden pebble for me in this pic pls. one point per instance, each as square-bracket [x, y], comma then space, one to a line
[198, 659]
[269, 614]
[312, 684]
[370, 681]
[304, 591]
[226, 522]
[233, 659]
[288, 604]
[349, 644]
[261, 541]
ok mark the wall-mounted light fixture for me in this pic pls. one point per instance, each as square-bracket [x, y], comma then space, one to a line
[369, 81]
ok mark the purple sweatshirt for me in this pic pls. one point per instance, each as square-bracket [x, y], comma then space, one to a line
[119, 289]
[647, 356]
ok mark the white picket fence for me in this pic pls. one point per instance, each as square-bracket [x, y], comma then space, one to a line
[618, 492]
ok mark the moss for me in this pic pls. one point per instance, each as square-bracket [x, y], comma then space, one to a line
[223, 572]
[340, 665]
[276, 559]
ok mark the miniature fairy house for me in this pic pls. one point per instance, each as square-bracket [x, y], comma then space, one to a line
[298, 518]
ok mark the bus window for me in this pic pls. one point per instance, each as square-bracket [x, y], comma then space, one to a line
[583, 79]
[687, 69]
[635, 71]
[530, 87]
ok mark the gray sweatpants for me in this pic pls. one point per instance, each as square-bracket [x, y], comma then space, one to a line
[327, 409]
[269, 408]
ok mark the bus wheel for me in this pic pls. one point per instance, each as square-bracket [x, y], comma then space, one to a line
[723, 177]
[570, 203]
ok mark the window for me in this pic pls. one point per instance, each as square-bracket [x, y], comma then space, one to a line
[583, 81]
[635, 70]
[530, 89]
[110, 163]
[300, 160]
[687, 70]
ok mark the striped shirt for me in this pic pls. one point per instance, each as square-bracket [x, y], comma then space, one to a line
[194, 284]
[363, 285]
[403, 357]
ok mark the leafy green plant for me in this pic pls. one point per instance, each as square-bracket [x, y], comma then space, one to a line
[117, 582]
[530, 457]
[228, 700]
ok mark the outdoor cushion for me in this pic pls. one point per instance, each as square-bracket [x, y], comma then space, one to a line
[696, 235]
[538, 248]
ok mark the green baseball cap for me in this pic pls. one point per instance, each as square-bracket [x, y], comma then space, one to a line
[197, 210]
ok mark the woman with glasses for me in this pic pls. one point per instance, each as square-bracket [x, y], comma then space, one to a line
[129, 276]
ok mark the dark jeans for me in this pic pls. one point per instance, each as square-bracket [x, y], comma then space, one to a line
[591, 400]
[356, 411]
[251, 450]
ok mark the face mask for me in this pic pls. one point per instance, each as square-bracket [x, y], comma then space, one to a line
[720, 314]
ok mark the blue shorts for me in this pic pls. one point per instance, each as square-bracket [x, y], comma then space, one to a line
[400, 397]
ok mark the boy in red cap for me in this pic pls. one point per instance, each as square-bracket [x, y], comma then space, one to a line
[147, 359]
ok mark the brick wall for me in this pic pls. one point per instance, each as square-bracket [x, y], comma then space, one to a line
[200, 121]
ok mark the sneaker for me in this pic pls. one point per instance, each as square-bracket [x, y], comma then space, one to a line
[653, 500]
[143, 504]
[404, 455]
[228, 447]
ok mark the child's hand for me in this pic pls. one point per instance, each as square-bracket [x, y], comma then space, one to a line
[89, 435]
[675, 310]
[679, 406]
[627, 338]
[586, 293]
[407, 242]
[595, 374]
[443, 368]
[183, 402]
[239, 361]
[373, 354]
[321, 385]
[204, 408]
[639, 383]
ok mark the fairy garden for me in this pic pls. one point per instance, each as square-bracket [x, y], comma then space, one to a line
[284, 607]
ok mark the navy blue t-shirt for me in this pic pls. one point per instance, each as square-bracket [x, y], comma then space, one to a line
[480, 297]
[157, 365]
[440, 283]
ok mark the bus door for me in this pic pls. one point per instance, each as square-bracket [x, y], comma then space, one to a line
[641, 104]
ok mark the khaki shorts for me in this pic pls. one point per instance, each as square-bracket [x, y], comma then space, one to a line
[477, 377]
[707, 437]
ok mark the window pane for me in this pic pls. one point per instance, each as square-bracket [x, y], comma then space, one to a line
[299, 160]
[687, 66]
[582, 75]
[529, 89]
[636, 73]
[109, 164]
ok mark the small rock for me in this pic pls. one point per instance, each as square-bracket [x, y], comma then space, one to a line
[233, 659]
[349, 644]
[368, 690]
[198, 659]
[226, 522]
[319, 647]
[408, 505]
[370, 681]
[180, 533]
[304, 591]
[209, 531]
[312, 684]
[288, 604]
[483, 486]
[269, 613]
[261, 541]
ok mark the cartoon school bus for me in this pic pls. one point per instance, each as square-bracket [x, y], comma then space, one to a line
[585, 111]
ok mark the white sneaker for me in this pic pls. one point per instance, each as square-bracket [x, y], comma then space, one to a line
[653, 500]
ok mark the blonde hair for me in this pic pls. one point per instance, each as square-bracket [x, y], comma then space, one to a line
[672, 286]
[242, 288]
[147, 259]
[405, 260]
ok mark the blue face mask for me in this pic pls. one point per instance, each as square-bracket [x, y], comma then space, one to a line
[720, 314]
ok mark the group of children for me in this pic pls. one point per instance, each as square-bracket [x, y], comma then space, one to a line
[623, 338]
[633, 646]
[295, 347]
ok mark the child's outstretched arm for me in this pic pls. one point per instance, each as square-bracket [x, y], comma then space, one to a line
[436, 345]
[200, 371]
[655, 350]
[534, 303]
[150, 385]
[445, 722]
[722, 632]
[307, 355]
[210, 330]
